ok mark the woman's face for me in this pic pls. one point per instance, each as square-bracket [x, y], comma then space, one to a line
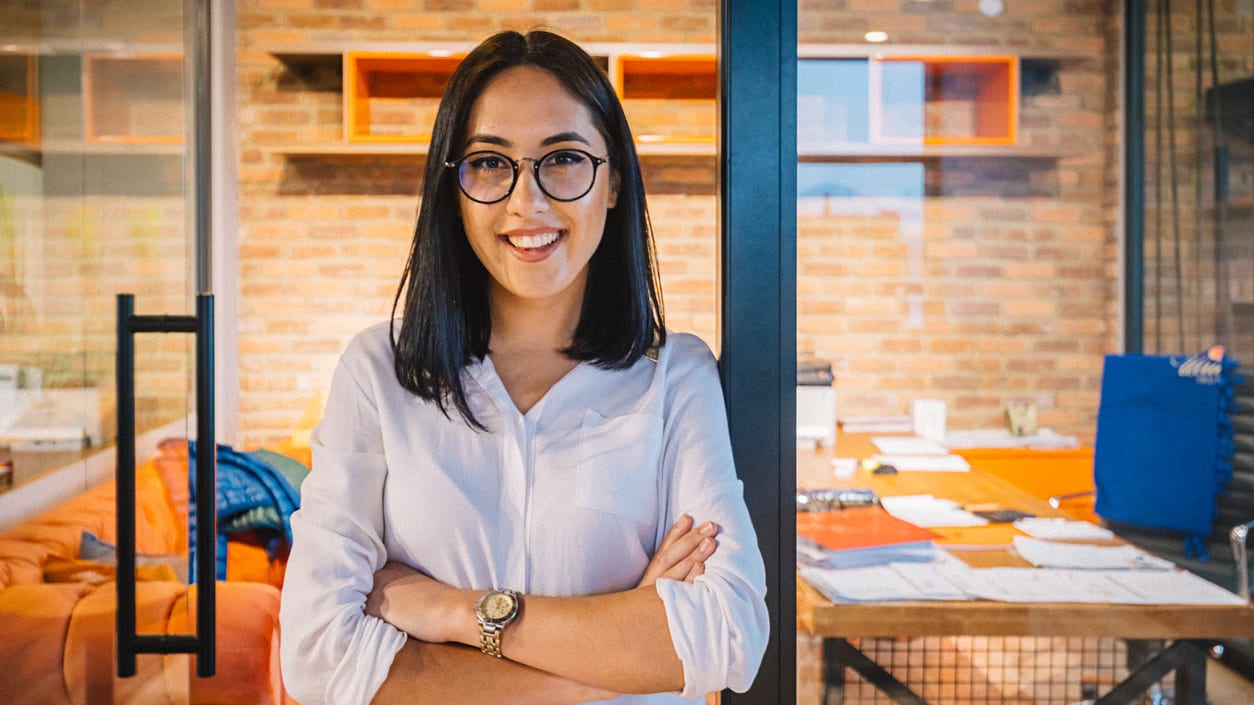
[534, 247]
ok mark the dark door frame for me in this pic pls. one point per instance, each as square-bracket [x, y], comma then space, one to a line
[757, 326]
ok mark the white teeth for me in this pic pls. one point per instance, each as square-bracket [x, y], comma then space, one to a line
[531, 242]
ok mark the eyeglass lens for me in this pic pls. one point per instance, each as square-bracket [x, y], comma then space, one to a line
[564, 175]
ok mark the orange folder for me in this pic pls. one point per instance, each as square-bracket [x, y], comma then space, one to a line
[859, 527]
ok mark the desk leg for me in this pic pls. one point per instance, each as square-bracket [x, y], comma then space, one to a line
[838, 653]
[1186, 657]
[1191, 675]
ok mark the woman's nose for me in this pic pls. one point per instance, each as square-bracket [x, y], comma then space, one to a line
[527, 196]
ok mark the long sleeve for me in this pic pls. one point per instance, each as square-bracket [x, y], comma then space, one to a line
[719, 623]
[332, 652]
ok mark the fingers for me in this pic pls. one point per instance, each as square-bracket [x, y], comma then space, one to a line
[682, 556]
[678, 530]
[684, 547]
[693, 564]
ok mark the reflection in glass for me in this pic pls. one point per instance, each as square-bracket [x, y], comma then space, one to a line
[91, 205]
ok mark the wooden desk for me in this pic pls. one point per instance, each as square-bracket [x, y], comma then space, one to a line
[1185, 625]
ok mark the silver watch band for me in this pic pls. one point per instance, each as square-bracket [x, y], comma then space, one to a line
[490, 639]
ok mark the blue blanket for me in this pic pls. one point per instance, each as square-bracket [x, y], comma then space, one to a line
[251, 493]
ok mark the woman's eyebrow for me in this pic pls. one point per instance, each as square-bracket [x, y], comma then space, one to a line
[553, 139]
[490, 139]
[564, 137]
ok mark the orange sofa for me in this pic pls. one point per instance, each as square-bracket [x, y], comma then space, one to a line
[57, 611]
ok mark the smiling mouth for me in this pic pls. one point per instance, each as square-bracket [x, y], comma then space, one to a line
[534, 242]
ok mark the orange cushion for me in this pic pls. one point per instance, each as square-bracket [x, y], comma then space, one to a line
[21, 561]
[90, 663]
[248, 645]
[34, 620]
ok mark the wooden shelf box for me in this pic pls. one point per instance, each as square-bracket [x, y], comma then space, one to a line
[936, 100]
[393, 97]
[668, 98]
[19, 99]
[133, 98]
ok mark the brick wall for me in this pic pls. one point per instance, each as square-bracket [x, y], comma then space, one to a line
[323, 239]
[1006, 289]
[998, 285]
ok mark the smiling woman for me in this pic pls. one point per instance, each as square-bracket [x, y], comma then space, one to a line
[530, 367]
[535, 246]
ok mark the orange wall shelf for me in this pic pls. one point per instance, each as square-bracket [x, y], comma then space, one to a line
[668, 98]
[19, 100]
[393, 97]
[135, 99]
[945, 100]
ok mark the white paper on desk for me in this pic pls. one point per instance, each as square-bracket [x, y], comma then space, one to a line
[1060, 528]
[1119, 587]
[1177, 587]
[907, 445]
[887, 583]
[928, 511]
[1002, 438]
[875, 584]
[1049, 585]
[931, 580]
[925, 463]
[876, 424]
[1050, 554]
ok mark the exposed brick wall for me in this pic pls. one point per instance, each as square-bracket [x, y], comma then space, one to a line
[323, 239]
[1005, 285]
[996, 287]
[1004, 292]
[80, 252]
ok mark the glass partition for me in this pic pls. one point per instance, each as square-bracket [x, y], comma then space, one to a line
[93, 203]
[1198, 252]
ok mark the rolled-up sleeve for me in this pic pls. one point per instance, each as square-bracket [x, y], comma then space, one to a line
[719, 623]
[331, 651]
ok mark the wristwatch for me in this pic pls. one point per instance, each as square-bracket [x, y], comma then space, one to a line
[495, 610]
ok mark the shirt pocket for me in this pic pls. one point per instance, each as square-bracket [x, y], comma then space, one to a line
[619, 463]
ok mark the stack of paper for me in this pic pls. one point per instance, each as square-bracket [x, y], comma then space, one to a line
[1061, 528]
[917, 454]
[877, 424]
[886, 583]
[1002, 438]
[1050, 554]
[953, 580]
[929, 511]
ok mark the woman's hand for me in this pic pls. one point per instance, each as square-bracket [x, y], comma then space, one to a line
[422, 607]
[683, 552]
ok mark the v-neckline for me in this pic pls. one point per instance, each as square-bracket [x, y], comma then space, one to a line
[502, 395]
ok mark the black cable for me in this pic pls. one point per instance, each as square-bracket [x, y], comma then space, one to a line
[1159, 167]
[1177, 259]
[1219, 213]
[1199, 156]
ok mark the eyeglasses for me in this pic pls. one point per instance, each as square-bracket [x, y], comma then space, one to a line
[563, 174]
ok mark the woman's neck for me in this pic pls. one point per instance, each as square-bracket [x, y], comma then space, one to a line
[531, 325]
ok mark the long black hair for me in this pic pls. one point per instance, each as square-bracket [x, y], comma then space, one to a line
[446, 323]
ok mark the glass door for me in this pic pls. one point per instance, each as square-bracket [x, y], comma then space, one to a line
[97, 200]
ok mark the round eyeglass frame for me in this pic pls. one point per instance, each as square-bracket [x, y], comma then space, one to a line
[535, 172]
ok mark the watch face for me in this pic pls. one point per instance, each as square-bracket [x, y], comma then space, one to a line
[497, 606]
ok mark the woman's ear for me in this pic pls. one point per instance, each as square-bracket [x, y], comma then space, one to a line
[614, 184]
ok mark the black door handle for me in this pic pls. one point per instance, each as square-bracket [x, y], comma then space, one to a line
[203, 642]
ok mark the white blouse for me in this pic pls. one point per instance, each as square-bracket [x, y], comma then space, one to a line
[571, 498]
